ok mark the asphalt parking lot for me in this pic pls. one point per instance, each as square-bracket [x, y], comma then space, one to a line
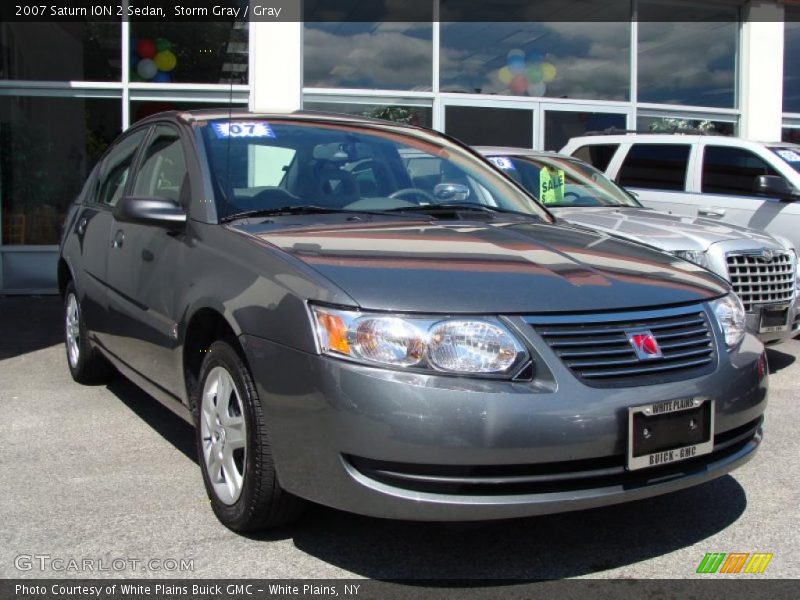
[105, 472]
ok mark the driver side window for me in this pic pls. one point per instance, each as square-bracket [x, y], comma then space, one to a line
[163, 172]
[116, 167]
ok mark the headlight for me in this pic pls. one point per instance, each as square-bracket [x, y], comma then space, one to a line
[698, 257]
[457, 345]
[731, 318]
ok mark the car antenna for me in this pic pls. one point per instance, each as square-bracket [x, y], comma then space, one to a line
[228, 186]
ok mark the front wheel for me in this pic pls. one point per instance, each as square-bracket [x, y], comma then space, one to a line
[233, 447]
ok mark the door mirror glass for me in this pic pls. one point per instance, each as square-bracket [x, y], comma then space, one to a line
[150, 210]
[451, 192]
[774, 185]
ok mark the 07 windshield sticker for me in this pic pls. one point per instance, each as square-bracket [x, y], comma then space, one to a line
[788, 155]
[551, 186]
[501, 162]
[242, 129]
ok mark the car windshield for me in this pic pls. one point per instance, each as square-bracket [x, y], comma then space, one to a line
[561, 181]
[258, 166]
[788, 154]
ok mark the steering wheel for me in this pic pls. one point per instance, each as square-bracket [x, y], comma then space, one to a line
[414, 191]
[575, 194]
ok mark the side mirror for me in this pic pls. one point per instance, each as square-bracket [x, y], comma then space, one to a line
[150, 210]
[451, 192]
[774, 185]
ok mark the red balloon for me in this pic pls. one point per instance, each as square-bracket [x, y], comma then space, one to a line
[146, 48]
[519, 84]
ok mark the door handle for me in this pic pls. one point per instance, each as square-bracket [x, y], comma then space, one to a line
[82, 225]
[711, 212]
[119, 237]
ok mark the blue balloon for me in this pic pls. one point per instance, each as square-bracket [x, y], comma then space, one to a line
[535, 56]
[516, 64]
[162, 77]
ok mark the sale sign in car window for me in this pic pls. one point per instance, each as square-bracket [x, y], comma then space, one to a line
[551, 186]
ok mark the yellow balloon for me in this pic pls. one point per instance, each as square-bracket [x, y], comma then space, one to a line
[505, 75]
[165, 60]
[548, 72]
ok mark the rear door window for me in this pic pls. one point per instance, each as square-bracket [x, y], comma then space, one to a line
[732, 171]
[655, 167]
[597, 155]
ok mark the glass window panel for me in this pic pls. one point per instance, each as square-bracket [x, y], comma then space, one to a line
[200, 52]
[163, 173]
[484, 126]
[791, 134]
[732, 171]
[666, 124]
[597, 155]
[116, 167]
[556, 60]
[692, 62]
[142, 109]
[791, 62]
[655, 166]
[47, 148]
[560, 126]
[60, 51]
[389, 56]
[412, 115]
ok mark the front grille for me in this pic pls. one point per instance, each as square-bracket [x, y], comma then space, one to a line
[757, 280]
[545, 478]
[596, 348]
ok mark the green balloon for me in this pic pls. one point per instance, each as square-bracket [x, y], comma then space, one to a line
[534, 73]
[163, 44]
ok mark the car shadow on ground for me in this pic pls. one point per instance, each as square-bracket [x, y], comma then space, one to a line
[778, 360]
[546, 547]
[35, 322]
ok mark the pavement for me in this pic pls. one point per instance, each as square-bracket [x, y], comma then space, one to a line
[107, 474]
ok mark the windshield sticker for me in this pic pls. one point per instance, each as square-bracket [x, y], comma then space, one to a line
[551, 186]
[788, 155]
[242, 129]
[501, 162]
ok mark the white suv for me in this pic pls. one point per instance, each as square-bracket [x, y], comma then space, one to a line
[753, 184]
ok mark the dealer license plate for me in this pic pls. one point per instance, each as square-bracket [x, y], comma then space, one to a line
[668, 432]
[774, 319]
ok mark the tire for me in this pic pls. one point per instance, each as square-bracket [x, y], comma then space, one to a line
[86, 364]
[233, 447]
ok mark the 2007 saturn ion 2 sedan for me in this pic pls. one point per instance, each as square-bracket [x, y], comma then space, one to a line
[369, 316]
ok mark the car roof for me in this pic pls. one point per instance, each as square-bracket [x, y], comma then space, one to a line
[208, 114]
[510, 151]
[673, 138]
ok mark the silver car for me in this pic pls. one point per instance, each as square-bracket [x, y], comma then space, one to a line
[761, 267]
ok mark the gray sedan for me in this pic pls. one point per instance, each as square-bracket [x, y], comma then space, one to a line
[761, 267]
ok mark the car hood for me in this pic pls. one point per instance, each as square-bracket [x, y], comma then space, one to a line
[665, 231]
[496, 267]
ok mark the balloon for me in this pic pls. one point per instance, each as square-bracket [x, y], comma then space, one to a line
[548, 72]
[134, 76]
[162, 77]
[515, 53]
[505, 76]
[519, 85]
[534, 73]
[146, 69]
[165, 60]
[146, 48]
[516, 64]
[163, 44]
[535, 56]
[537, 89]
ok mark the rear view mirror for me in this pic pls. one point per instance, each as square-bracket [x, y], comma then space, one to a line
[774, 185]
[150, 210]
[451, 192]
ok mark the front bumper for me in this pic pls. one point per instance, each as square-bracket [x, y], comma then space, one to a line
[410, 446]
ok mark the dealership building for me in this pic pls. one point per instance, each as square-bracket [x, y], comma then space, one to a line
[67, 89]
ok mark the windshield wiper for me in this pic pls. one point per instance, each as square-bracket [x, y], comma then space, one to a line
[434, 209]
[306, 209]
